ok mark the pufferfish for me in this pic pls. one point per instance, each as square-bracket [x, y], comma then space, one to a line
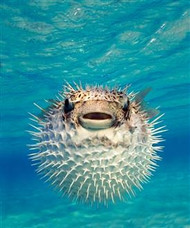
[96, 144]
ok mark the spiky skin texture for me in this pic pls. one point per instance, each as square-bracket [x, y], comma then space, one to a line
[96, 166]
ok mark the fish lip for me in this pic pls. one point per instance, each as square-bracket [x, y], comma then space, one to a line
[97, 120]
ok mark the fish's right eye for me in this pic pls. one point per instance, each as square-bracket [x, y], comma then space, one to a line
[68, 106]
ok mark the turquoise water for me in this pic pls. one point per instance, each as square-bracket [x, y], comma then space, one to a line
[143, 43]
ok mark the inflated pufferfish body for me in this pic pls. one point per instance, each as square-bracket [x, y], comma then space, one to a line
[96, 144]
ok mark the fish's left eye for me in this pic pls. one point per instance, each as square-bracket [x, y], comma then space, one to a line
[126, 106]
[68, 106]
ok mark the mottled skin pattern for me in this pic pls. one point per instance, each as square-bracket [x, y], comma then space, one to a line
[96, 144]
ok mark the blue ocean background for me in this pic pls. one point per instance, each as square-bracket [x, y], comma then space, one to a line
[143, 43]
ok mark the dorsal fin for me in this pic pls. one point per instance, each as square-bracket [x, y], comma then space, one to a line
[139, 99]
[141, 95]
[151, 112]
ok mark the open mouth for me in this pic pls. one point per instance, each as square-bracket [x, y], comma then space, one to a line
[97, 116]
[96, 120]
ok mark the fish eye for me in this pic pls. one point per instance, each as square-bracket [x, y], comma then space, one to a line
[126, 106]
[68, 106]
